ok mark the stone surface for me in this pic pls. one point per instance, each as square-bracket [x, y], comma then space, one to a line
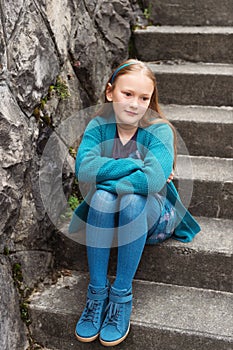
[32, 59]
[206, 262]
[190, 13]
[205, 131]
[199, 44]
[15, 155]
[12, 329]
[51, 39]
[194, 83]
[212, 169]
[178, 315]
[108, 27]
[35, 265]
[199, 114]
[212, 185]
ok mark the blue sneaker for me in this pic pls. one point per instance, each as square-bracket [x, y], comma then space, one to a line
[116, 325]
[90, 322]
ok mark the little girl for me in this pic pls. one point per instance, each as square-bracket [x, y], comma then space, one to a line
[127, 155]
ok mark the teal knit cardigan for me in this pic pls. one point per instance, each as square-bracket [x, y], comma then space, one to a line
[95, 165]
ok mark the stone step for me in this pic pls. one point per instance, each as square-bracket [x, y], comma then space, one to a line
[205, 130]
[208, 182]
[197, 44]
[206, 262]
[164, 316]
[195, 13]
[194, 83]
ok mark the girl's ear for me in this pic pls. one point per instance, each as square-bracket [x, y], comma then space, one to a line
[108, 92]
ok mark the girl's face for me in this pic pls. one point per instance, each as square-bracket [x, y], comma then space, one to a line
[130, 96]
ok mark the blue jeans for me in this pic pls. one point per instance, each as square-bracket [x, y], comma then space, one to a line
[129, 222]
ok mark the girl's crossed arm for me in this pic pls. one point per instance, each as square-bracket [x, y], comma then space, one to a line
[92, 167]
[156, 170]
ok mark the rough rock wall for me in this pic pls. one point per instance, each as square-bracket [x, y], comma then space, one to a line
[79, 41]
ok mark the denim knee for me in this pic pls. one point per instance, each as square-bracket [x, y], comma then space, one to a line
[101, 220]
[131, 206]
[132, 218]
[104, 202]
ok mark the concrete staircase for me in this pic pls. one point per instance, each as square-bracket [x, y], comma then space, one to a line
[183, 293]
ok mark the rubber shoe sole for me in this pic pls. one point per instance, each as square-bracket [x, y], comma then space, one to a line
[115, 342]
[87, 340]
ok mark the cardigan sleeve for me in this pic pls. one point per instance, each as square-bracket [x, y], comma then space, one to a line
[92, 167]
[158, 164]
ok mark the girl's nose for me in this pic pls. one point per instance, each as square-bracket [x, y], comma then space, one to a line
[134, 103]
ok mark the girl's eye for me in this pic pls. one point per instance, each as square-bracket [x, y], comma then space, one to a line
[145, 98]
[127, 94]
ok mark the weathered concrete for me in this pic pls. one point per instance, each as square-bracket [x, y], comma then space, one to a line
[199, 114]
[212, 169]
[170, 316]
[196, 44]
[190, 13]
[206, 262]
[206, 131]
[194, 83]
[212, 181]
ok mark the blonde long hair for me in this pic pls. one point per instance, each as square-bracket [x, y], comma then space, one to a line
[154, 114]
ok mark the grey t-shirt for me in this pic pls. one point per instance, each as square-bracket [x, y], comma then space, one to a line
[129, 150]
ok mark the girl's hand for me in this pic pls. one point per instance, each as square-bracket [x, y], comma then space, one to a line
[170, 177]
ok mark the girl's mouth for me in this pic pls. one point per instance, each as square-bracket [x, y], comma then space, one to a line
[133, 114]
